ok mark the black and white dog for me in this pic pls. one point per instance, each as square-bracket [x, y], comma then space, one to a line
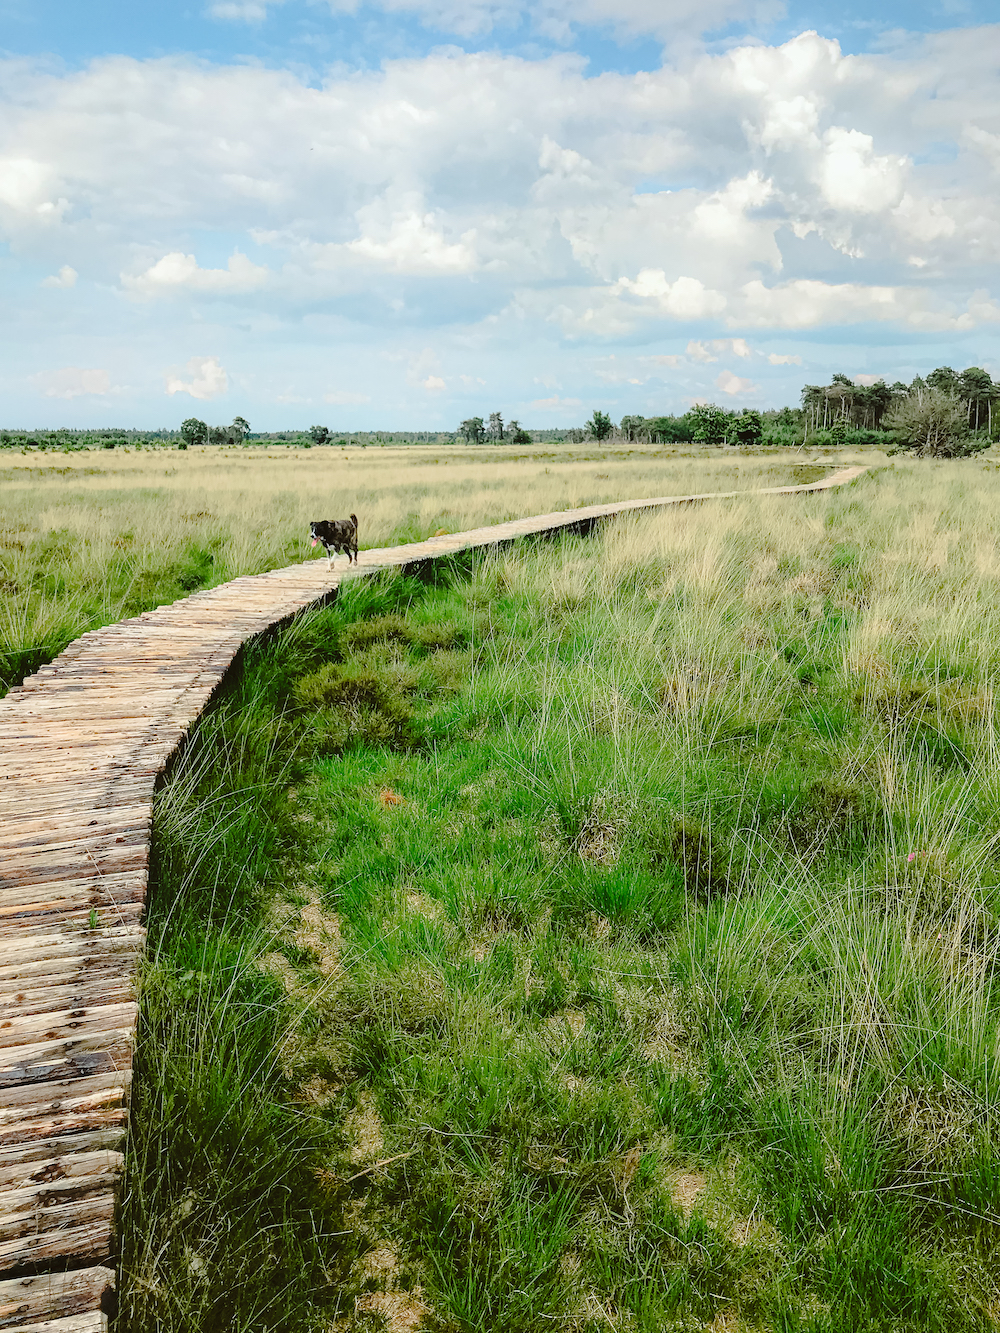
[337, 535]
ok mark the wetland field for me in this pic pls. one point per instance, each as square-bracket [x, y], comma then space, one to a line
[601, 934]
[90, 538]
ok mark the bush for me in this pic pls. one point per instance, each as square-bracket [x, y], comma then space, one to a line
[933, 425]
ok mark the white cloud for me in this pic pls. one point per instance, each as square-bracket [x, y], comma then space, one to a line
[501, 207]
[868, 379]
[72, 382]
[685, 298]
[434, 384]
[733, 384]
[414, 244]
[782, 359]
[345, 398]
[716, 347]
[208, 379]
[807, 302]
[853, 177]
[179, 272]
[66, 277]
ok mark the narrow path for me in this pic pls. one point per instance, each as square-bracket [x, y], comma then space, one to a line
[82, 744]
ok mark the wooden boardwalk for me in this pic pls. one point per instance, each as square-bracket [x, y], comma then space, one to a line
[82, 743]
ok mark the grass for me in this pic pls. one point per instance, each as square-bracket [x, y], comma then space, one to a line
[600, 935]
[90, 538]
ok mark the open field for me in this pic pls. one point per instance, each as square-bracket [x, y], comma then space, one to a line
[602, 936]
[90, 538]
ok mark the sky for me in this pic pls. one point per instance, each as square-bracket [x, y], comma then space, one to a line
[397, 215]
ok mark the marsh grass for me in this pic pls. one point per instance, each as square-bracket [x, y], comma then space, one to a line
[640, 971]
[91, 538]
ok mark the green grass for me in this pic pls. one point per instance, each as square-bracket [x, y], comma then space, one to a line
[90, 538]
[601, 935]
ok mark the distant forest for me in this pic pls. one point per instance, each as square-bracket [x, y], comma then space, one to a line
[946, 412]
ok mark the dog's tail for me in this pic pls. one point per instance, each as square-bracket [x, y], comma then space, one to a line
[354, 520]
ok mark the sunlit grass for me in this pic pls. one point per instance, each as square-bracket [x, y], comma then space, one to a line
[90, 538]
[629, 909]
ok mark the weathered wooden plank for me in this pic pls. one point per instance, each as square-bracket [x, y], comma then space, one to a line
[94, 1322]
[63, 1024]
[81, 992]
[19, 1178]
[50, 1296]
[64, 1200]
[100, 1048]
[90, 822]
[90, 1240]
[77, 1106]
[18, 1160]
[116, 860]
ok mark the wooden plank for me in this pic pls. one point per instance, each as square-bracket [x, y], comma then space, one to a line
[99, 1049]
[81, 992]
[62, 1024]
[19, 1158]
[49, 1296]
[96, 1321]
[90, 1241]
[65, 1201]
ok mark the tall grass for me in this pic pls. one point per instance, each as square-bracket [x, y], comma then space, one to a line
[88, 539]
[631, 911]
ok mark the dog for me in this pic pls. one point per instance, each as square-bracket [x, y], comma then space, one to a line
[337, 535]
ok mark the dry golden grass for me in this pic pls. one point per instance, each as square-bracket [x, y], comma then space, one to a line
[89, 538]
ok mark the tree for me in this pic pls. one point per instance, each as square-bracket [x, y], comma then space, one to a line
[239, 430]
[219, 435]
[319, 434]
[600, 425]
[944, 380]
[632, 428]
[749, 427]
[712, 424]
[473, 431]
[194, 431]
[977, 391]
[671, 430]
[933, 425]
[517, 433]
[494, 431]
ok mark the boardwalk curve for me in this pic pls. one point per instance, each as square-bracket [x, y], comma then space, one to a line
[82, 743]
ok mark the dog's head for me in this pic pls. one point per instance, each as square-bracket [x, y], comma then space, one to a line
[312, 530]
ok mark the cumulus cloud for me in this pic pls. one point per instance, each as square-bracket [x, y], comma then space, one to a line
[66, 277]
[716, 347]
[733, 384]
[685, 298]
[72, 382]
[208, 378]
[415, 244]
[434, 384]
[496, 199]
[177, 272]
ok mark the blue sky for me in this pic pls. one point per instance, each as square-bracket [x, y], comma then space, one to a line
[398, 215]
